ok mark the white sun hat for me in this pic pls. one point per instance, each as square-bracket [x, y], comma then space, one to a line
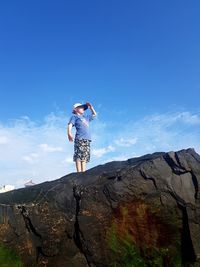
[77, 105]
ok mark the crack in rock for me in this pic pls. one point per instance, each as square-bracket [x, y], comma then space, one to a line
[32, 230]
[149, 178]
[175, 166]
[196, 185]
[28, 223]
[187, 249]
[78, 234]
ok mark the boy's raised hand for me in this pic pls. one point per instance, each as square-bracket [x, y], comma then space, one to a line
[91, 108]
[89, 104]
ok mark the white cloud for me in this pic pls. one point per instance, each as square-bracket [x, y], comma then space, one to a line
[126, 142]
[189, 118]
[48, 148]
[68, 160]
[168, 131]
[41, 152]
[119, 158]
[175, 117]
[32, 158]
[3, 140]
[99, 152]
[34, 151]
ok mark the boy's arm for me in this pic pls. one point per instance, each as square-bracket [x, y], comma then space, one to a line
[92, 109]
[69, 132]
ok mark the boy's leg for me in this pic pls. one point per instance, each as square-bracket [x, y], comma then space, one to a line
[83, 165]
[78, 165]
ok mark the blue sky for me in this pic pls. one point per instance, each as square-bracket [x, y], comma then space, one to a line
[138, 62]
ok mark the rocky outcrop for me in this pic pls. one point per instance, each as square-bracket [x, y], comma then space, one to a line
[141, 212]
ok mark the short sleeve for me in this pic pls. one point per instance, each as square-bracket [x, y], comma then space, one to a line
[72, 120]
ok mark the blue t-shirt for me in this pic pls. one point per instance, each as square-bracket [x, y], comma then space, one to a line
[81, 123]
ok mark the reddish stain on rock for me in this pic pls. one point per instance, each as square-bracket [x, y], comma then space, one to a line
[143, 226]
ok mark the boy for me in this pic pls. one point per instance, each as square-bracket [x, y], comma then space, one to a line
[82, 137]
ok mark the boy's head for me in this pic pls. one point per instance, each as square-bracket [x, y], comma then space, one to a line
[79, 108]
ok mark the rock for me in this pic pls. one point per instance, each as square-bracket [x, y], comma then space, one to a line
[141, 212]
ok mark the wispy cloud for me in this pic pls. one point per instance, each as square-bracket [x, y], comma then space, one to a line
[29, 150]
[49, 148]
[34, 151]
[3, 140]
[99, 152]
[31, 158]
[126, 142]
[170, 118]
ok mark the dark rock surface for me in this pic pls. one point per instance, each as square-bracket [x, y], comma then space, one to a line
[141, 212]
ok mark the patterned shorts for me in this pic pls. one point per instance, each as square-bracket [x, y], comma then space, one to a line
[82, 150]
